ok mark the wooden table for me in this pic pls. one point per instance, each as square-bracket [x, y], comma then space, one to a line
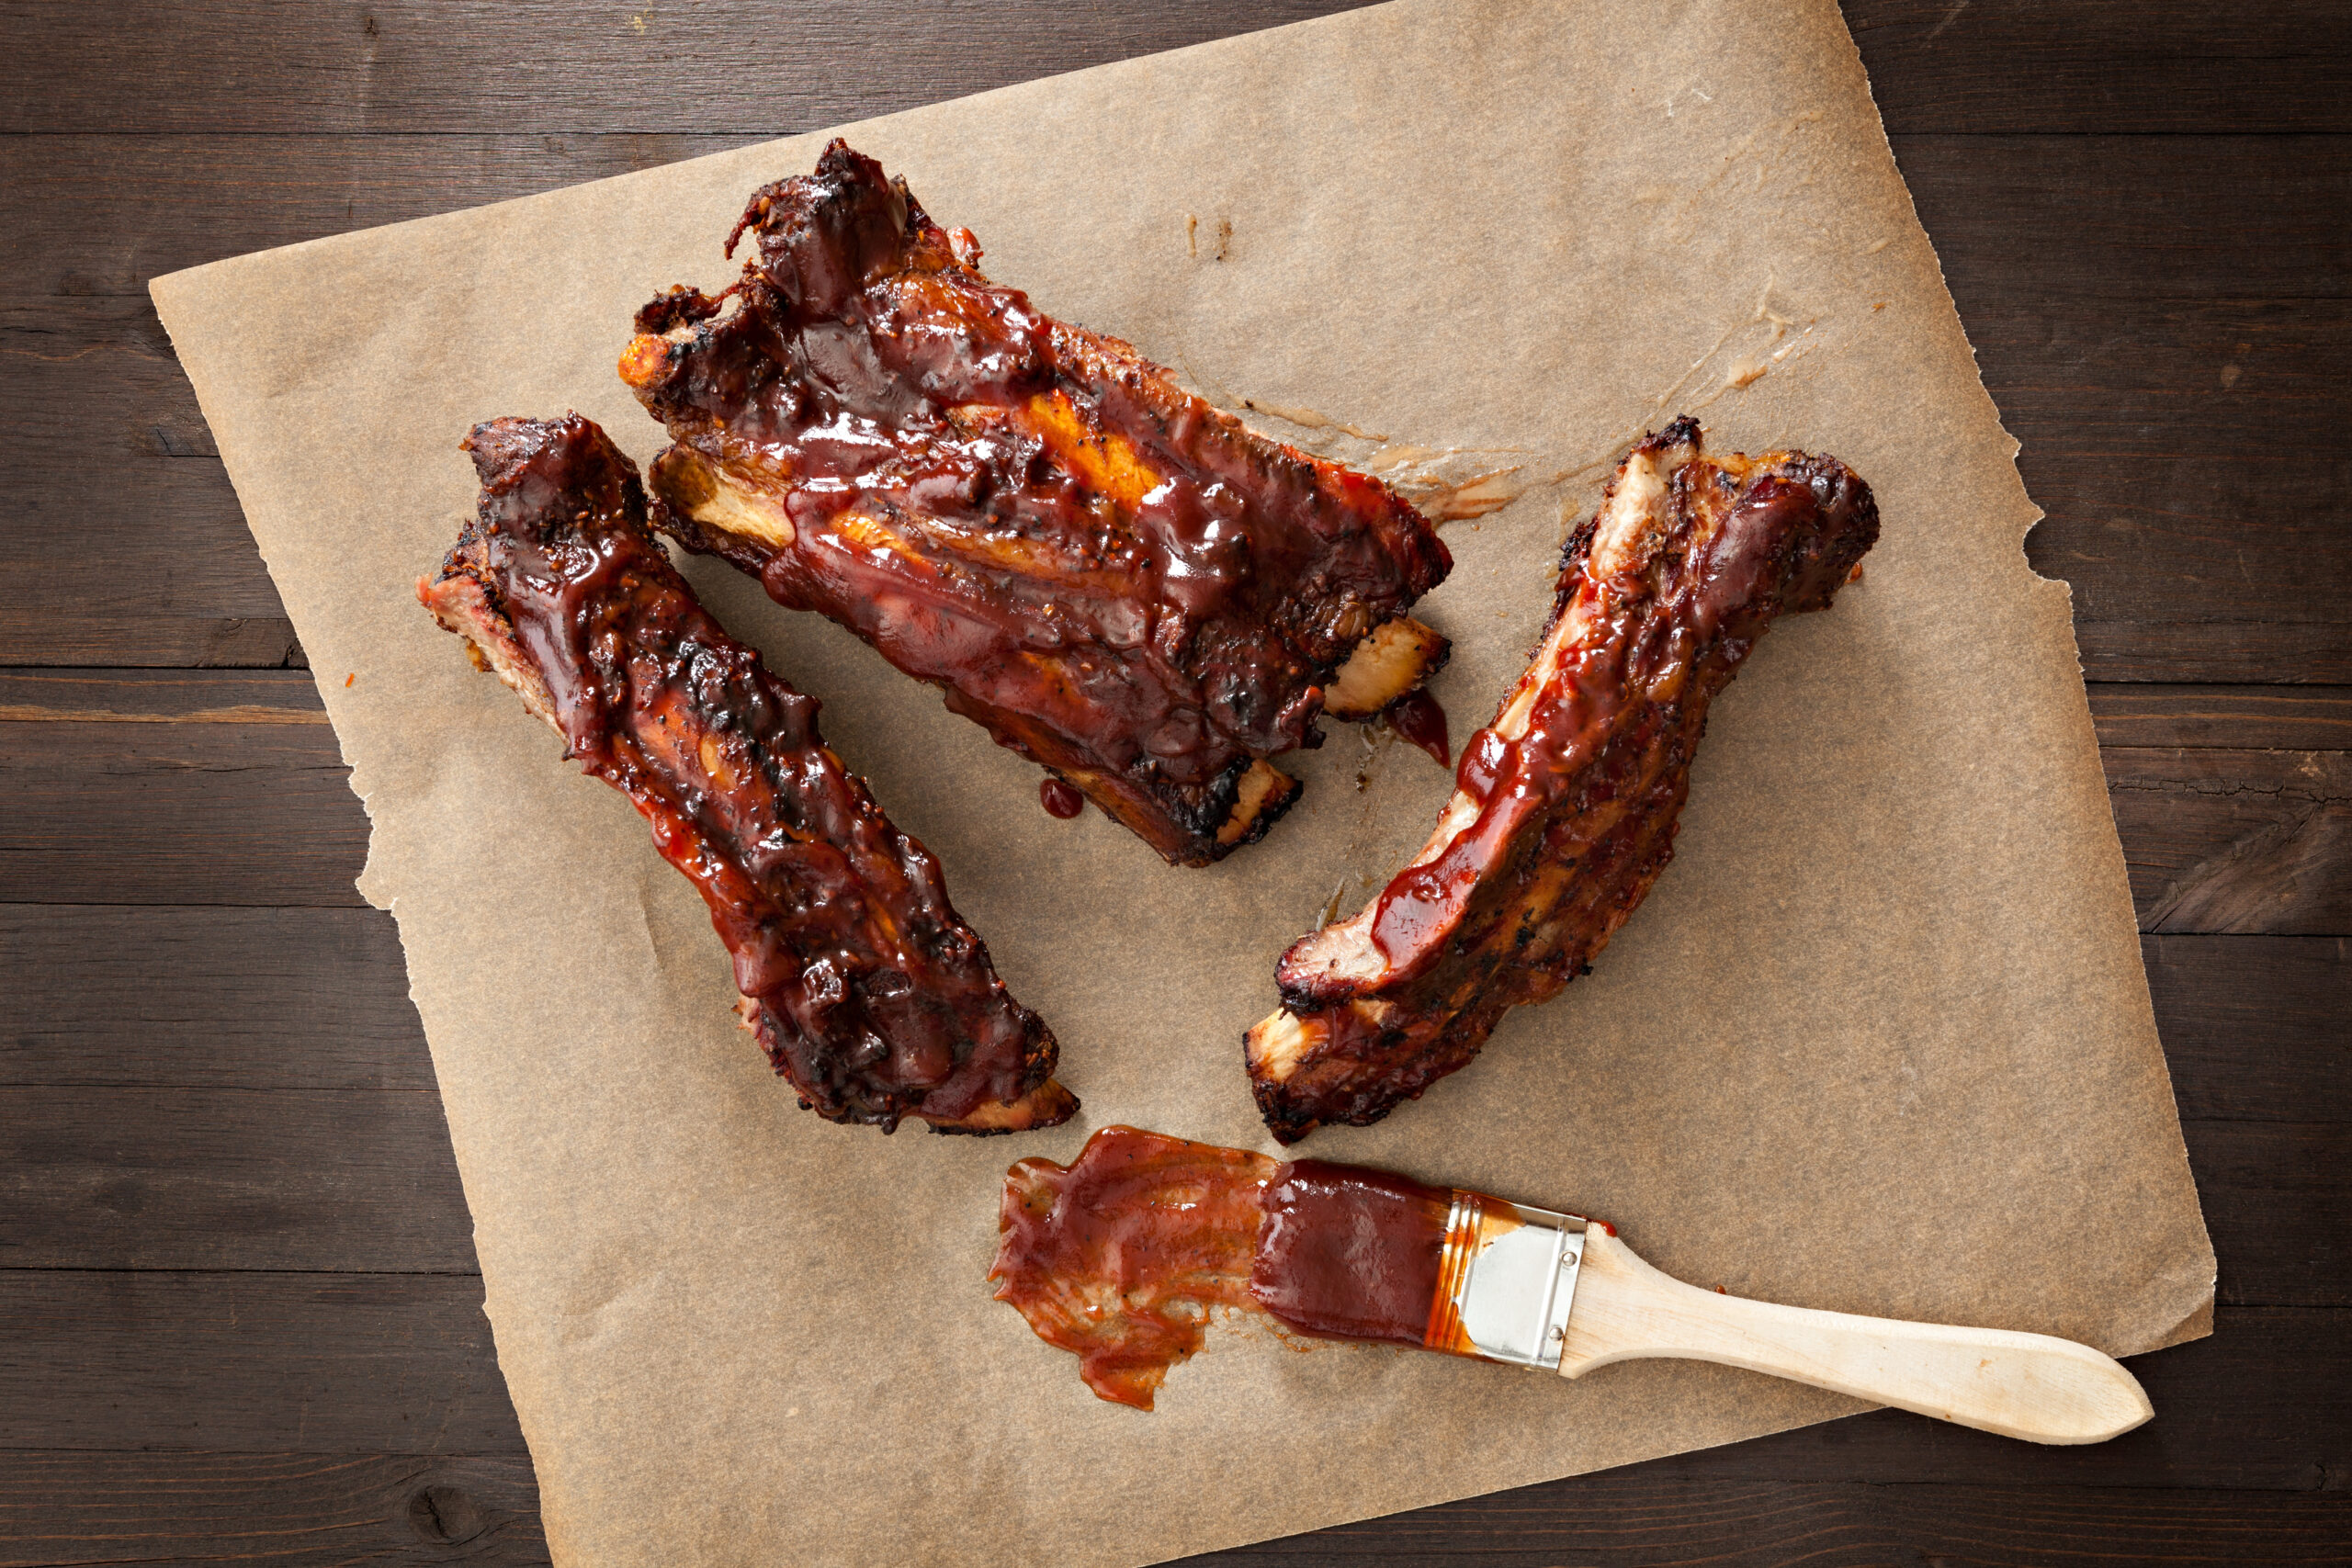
[240, 1316]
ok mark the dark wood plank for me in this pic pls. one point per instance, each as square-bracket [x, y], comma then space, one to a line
[2236, 841]
[2290, 719]
[214, 813]
[2278, 1201]
[2223, 649]
[158, 637]
[2183, 320]
[2255, 1028]
[2156, 317]
[160, 696]
[333, 1363]
[543, 66]
[291, 1510]
[329, 1510]
[548, 66]
[314, 1179]
[161, 569]
[162, 998]
[2112, 65]
[2173, 222]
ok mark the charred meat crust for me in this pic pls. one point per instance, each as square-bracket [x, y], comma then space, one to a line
[866, 990]
[1565, 808]
[1115, 578]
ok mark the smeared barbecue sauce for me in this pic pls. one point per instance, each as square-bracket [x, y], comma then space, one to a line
[1418, 719]
[1114, 578]
[871, 995]
[1120, 1256]
[1059, 799]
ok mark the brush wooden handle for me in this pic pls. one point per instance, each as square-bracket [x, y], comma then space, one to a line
[2020, 1385]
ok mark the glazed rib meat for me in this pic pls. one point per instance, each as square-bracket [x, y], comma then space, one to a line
[1563, 809]
[868, 991]
[1118, 580]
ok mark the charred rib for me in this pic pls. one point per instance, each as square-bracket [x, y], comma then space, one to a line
[1118, 580]
[866, 990]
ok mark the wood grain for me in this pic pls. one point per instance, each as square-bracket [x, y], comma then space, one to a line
[313, 1179]
[327, 1511]
[548, 66]
[171, 998]
[2290, 1183]
[552, 66]
[1633, 1519]
[2255, 1027]
[2156, 320]
[332, 1363]
[2163, 319]
[160, 696]
[221, 813]
[2282, 718]
[2242, 842]
[292, 1510]
[2028, 66]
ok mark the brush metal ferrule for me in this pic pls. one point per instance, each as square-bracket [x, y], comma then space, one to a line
[1507, 1279]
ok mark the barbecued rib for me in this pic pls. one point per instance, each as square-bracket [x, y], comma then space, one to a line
[1118, 580]
[866, 990]
[1564, 811]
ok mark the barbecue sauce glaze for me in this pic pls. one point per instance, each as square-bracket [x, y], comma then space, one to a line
[871, 995]
[1419, 720]
[1565, 807]
[1120, 1256]
[1113, 576]
[1648, 660]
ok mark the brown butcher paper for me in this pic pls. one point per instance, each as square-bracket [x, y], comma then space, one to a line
[1879, 1037]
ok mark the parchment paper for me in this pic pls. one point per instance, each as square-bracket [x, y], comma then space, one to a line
[1879, 1040]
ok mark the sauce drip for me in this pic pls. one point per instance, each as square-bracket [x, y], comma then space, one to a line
[1417, 717]
[1060, 799]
